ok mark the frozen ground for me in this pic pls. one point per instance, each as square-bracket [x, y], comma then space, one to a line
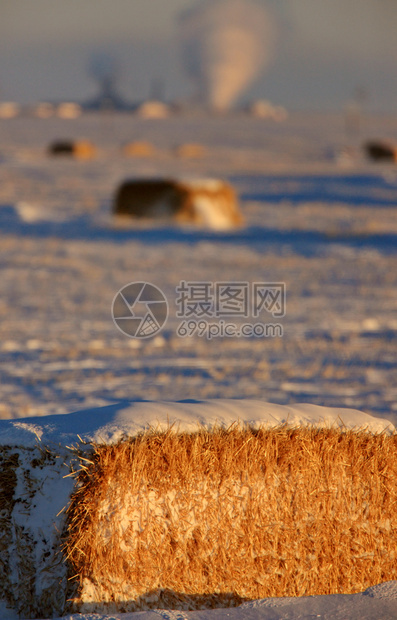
[324, 225]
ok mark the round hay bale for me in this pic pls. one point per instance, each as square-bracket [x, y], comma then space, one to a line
[153, 109]
[148, 198]
[84, 150]
[61, 147]
[208, 203]
[380, 150]
[80, 149]
[191, 151]
[68, 109]
[138, 149]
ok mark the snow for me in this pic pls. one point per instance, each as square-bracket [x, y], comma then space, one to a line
[111, 423]
[376, 602]
[210, 214]
[328, 231]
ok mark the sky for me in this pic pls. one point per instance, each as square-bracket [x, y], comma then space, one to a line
[323, 52]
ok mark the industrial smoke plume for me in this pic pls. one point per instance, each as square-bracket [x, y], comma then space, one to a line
[226, 43]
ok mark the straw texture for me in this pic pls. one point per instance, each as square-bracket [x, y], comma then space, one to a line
[214, 518]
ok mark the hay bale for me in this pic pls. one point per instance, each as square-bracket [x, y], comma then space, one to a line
[211, 519]
[380, 150]
[138, 149]
[192, 519]
[69, 110]
[191, 150]
[79, 149]
[153, 109]
[209, 203]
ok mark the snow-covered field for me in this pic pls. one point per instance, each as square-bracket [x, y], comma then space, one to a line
[320, 222]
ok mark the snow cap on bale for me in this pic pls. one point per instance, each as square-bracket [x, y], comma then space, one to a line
[209, 203]
[122, 419]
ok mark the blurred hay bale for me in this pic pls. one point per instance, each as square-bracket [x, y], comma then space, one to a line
[266, 110]
[138, 149]
[69, 110]
[9, 109]
[191, 150]
[79, 149]
[380, 150]
[153, 109]
[209, 203]
[217, 517]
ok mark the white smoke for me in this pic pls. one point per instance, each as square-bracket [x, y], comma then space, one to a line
[225, 44]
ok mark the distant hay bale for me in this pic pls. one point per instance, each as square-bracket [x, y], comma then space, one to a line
[79, 149]
[265, 109]
[190, 150]
[9, 109]
[44, 110]
[212, 518]
[69, 110]
[380, 150]
[209, 203]
[153, 109]
[138, 149]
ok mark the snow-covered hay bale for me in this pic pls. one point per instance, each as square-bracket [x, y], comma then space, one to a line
[380, 150]
[138, 149]
[80, 149]
[208, 203]
[211, 519]
[177, 505]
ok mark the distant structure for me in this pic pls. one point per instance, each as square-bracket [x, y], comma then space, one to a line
[107, 99]
[225, 45]
[104, 70]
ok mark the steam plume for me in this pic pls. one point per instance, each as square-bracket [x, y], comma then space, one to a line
[225, 44]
